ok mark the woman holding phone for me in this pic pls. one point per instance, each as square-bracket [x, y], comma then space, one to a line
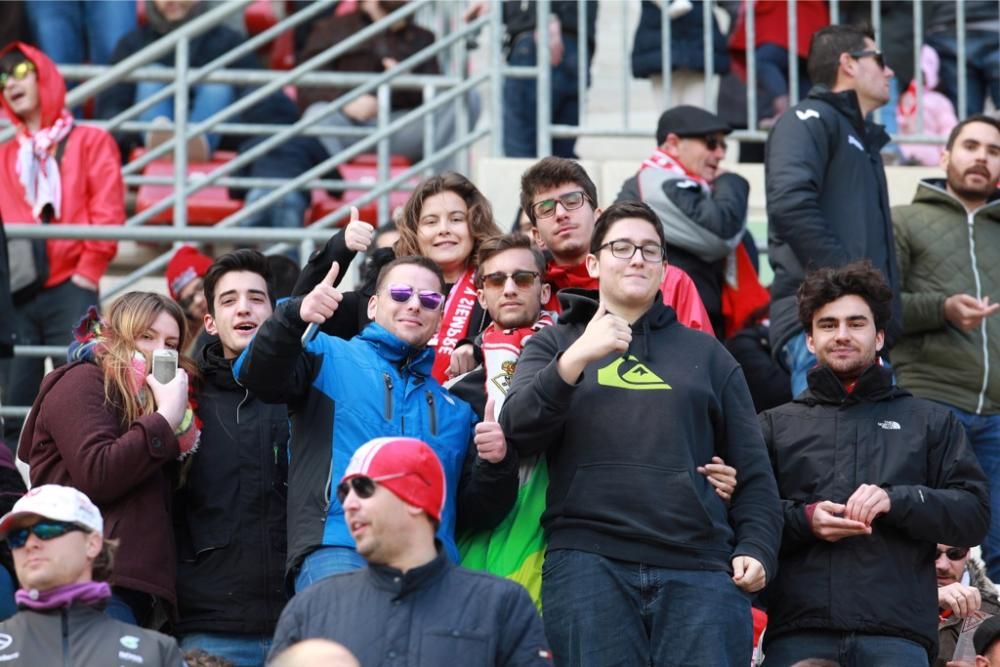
[105, 425]
[445, 220]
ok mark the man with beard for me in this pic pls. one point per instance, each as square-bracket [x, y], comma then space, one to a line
[871, 479]
[948, 243]
[963, 590]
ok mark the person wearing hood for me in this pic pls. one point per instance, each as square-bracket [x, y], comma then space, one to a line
[948, 243]
[827, 200]
[54, 172]
[229, 513]
[646, 563]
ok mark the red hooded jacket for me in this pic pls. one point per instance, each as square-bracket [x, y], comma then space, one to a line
[93, 192]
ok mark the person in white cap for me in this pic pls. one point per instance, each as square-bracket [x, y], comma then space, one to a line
[411, 606]
[63, 562]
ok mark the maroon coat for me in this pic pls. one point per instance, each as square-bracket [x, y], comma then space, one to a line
[73, 437]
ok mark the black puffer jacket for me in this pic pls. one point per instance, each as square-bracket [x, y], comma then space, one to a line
[827, 203]
[230, 512]
[823, 446]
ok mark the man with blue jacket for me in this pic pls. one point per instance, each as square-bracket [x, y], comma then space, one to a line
[342, 393]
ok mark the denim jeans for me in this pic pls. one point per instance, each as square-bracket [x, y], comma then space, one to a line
[206, 100]
[600, 612]
[326, 562]
[46, 319]
[521, 100]
[983, 432]
[79, 31]
[241, 650]
[848, 649]
[799, 360]
[982, 68]
[7, 587]
[772, 77]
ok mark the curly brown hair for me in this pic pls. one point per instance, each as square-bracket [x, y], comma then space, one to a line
[859, 278]
[479, 216]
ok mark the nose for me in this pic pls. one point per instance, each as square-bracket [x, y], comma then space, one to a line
[509, 286]
[351, 502]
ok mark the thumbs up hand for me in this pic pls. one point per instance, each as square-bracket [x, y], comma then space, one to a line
[358, 234]
[490, 441]
[321, 303]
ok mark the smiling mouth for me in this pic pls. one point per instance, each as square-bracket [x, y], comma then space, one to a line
[246, 327]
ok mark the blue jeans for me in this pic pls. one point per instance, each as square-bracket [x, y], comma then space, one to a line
[207, 99]
[288, 212]
[241, 650]
[983, 432]
[982, 68]
[772, 77]
[75, 32]
[521, 100]
[845, 648]
[599, 611]
[7, 587]
[799, 361]
[326, 562]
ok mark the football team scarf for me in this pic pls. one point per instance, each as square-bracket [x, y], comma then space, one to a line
[454, 323]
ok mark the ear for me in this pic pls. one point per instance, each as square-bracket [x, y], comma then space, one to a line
[372, 306]
[481, 297]
[670, 145]
[847, 66]
[879, 340]
[944, 160]
[94, 542]
[545, 294]
[536, 237]
[809, 343]
[593, 266]
[210, 325]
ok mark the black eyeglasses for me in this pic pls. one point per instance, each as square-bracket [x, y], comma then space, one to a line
[18, 72]
[43, 530]
[429, 299]
[570, 201]
[623, 249]
[954, 553]
[522, 279]
[363, 486]
[874, 53]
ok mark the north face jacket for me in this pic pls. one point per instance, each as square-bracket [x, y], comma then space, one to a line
[945, 250]
[827, 202]
[823, 446]
[631, 433]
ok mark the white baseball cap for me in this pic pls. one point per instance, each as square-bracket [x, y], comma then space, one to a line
[58, 503]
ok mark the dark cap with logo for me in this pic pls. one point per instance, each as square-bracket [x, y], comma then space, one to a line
[689, 121]
[987, 633]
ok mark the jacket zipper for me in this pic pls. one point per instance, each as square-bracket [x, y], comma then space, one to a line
[433, 411]
[65, 638]
[971, 222]
[388, 396]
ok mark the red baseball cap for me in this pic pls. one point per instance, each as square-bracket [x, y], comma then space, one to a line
[406, 466]
[186, 265]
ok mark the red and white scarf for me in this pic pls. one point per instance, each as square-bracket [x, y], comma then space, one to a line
[37, 167]
[454, 323]
[501, 349]
[660, 160]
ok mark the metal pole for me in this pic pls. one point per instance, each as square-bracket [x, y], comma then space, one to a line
[460, 106]
[666, 57]
[626, 102]
[382, 150]
[708, 54]
[496, 76]
[877, 29]
[751, 56]
[180, 125]
[582, 67]
[963, 83]
[793, 54]
[428, 128]
[835, 12]
[918, 41]
[543, 82]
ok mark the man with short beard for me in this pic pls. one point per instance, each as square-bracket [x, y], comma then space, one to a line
[871, 479]
[948, 244]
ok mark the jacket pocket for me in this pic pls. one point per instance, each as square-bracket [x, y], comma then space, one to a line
[442, 646]
[641, 500]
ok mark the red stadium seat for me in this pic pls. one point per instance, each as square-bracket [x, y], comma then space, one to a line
[362, 168]
[205, 207]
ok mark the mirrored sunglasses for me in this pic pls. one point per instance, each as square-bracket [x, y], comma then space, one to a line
[43, 530]
[429, 299]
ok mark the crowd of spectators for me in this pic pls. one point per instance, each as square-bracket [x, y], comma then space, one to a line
[494, 426]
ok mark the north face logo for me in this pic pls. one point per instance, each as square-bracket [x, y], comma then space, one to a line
[889, 425]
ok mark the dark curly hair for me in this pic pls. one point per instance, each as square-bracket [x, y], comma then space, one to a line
[859, 278]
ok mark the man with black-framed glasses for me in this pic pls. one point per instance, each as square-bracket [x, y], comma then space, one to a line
[703, 212]
[342, 393]
[645, 563]
[411, 605]
[63, 564]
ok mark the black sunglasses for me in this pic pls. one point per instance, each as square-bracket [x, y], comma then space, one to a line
[954, 553]
[429, 299]
[874, 53]
[713, 142]
[43, 530]
[363, 486]
[522, 279]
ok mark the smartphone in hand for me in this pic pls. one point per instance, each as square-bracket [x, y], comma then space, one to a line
[164, 365]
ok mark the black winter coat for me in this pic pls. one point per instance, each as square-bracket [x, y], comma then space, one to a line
[230, 512]
[686, 40]
[823, 446]
[827, 202]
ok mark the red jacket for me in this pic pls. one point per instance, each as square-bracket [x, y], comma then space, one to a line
[73, 437]
[93, 192]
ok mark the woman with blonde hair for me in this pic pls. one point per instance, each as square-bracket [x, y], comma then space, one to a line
[445, 219]
[105, 425]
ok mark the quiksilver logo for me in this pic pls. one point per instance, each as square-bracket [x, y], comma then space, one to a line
[889, 425]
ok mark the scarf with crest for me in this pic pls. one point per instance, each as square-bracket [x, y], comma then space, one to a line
[89, 341]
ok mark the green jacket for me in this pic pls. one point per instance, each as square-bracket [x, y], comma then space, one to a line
[944, 250]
